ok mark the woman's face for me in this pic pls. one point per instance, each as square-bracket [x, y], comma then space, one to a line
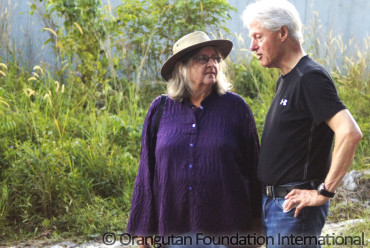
[202, 73]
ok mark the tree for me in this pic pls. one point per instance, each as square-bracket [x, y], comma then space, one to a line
[134, 41]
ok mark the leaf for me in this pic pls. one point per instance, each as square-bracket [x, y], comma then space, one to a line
[51, 31]
[47, 41]
[4, 66]
[78, 27]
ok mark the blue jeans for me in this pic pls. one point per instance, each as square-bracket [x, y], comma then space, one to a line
[283, 230]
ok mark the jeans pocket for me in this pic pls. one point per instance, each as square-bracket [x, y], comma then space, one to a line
[279, 202]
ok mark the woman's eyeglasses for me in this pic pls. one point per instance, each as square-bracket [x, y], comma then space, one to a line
[203, 59]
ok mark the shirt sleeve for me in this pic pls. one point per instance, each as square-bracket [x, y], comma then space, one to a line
[320, 96]
[142, 219]
[251, 148]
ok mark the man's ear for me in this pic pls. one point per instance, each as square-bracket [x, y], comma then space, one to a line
[284, 33]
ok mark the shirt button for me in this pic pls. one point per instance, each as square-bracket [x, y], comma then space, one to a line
[193, 125]
[201, 107]
[191, 145]
[190, 188]
[190, 166]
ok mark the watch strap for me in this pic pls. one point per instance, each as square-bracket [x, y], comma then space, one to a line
[321, 190]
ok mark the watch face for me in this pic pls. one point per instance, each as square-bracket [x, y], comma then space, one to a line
[321, 187]
[322, 191]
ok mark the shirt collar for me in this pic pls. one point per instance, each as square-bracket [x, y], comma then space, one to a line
[206, 101]
[296, 66]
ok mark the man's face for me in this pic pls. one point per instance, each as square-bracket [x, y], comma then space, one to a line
[266, 44]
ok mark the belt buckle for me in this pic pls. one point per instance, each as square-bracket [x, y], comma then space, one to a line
[269, 191]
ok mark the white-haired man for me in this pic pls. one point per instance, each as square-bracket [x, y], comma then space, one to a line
[296, 167]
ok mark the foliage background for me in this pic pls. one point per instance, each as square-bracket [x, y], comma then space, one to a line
[70, 132]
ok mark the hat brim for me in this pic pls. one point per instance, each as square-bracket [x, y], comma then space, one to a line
[223, 46]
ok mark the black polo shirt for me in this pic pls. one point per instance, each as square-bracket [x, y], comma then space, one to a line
[296, 141]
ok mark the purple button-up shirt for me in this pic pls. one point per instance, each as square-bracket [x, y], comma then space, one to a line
[202, 177]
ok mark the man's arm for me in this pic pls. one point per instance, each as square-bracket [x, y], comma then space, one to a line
[347, 137]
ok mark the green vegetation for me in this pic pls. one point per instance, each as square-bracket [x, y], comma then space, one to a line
[70, 134]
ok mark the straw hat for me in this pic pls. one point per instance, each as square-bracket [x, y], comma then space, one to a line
[189, 43]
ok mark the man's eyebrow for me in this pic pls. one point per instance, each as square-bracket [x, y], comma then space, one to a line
[252, 34]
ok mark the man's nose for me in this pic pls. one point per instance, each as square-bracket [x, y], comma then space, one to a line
[254, 46]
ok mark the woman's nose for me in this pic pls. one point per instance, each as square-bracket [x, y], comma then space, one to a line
[211, 62]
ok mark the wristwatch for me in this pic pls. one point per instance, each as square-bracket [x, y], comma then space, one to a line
[322, 191]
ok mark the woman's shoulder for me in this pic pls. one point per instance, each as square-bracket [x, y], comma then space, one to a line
[237, 102]
[234, 97]
[155, 103]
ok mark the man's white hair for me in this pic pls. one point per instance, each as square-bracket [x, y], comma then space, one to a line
[272, 15]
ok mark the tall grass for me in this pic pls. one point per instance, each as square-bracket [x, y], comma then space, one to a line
[5, 27]
[353, 81]
[67, 163]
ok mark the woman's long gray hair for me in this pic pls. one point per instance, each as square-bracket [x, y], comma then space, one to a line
[179, 87]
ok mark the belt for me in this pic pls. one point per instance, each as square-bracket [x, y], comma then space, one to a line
[281, 191]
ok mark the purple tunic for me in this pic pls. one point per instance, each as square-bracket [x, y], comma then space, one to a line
[204, 176]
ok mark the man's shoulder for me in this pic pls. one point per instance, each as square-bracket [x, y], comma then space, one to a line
[308, 66]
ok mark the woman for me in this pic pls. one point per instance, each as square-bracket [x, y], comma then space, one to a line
[201, 177]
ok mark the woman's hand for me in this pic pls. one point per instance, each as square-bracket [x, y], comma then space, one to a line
[143, 243]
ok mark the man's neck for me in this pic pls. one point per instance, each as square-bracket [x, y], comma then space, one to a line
[292, 56]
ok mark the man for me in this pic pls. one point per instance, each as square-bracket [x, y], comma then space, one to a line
[296, 167]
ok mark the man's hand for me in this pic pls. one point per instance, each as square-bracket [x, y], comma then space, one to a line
[303, 198]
